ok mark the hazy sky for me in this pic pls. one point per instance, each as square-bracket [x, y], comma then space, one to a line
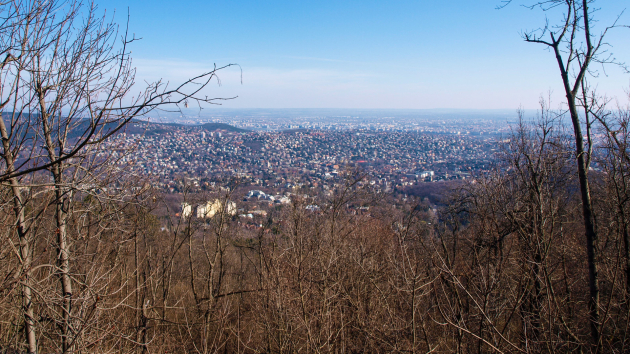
[357, 54]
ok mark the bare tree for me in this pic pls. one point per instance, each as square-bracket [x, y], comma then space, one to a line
[67, 86]
[576, 49]
[504, 285]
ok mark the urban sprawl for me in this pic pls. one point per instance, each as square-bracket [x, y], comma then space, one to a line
[301, 157]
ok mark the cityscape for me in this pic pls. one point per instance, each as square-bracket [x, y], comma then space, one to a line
[304, 155]
[463, 121]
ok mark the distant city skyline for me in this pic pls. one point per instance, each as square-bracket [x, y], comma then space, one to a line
[369, 54]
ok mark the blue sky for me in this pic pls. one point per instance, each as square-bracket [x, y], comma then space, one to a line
[357, 54]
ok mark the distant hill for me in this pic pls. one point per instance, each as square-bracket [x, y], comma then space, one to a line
[81, 126]
[293, 131]
[223, 126]
[160, 128]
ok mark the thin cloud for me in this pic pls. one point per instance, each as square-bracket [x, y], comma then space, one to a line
[324, 59]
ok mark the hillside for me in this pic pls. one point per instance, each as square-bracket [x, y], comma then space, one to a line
[223, 126]
[152, 128]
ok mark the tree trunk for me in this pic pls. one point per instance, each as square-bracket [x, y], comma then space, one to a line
[585, 191]
[25, 254]
[589, 223]
[24, 247]
[63, 260]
